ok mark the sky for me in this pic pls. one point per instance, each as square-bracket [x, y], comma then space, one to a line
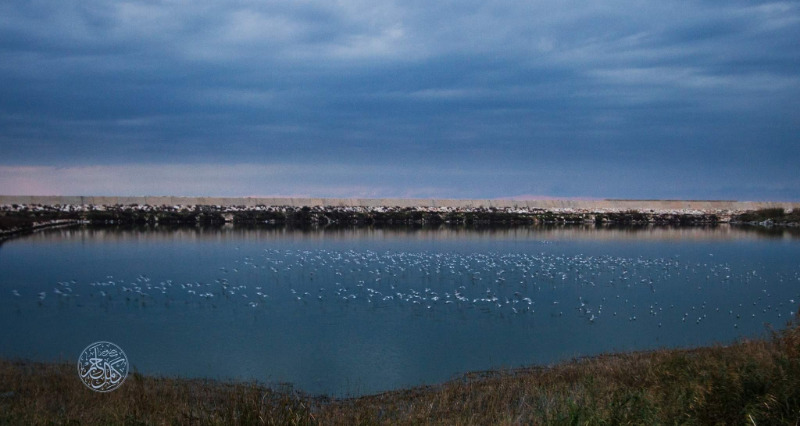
[638, 99]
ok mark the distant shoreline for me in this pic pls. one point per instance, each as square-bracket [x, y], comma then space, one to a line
[26, 214]
[556, 205]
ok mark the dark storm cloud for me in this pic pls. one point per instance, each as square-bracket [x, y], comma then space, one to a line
[412, 96]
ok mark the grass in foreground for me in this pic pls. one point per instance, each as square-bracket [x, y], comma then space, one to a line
[750, 382]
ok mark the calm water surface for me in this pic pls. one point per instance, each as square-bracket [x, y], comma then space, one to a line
[349, 312]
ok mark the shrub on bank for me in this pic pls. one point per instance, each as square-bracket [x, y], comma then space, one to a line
[774, 216]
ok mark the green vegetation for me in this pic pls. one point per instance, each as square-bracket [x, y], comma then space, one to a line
[634, 217]
[750, 382]
[20, 219]
[131, 215]
[303, 216]
[769, 216]
[25, 218]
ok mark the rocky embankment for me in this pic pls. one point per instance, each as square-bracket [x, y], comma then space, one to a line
[16, 218]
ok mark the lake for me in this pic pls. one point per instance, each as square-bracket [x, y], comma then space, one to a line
[352, 311]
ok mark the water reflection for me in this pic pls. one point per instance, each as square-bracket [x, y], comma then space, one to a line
[548, 232]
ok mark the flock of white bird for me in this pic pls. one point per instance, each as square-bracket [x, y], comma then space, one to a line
[514, 284]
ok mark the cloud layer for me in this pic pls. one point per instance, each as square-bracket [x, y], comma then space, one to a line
[641, 97]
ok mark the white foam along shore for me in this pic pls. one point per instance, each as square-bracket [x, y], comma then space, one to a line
[720, 207]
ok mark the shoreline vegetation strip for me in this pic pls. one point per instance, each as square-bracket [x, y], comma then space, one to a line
[17, 218]
[748, 382]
